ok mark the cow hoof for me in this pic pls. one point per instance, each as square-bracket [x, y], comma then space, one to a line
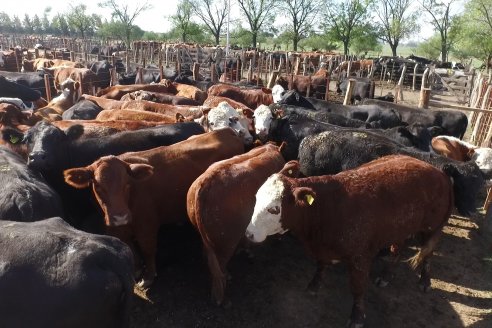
[145, 283]
[353, 324]
[380, 282]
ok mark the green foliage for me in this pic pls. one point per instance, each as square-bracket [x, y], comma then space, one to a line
[366, 38]
[320, 42]
[82, 23]
[430, 48]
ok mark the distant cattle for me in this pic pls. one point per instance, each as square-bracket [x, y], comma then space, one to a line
[140, 191]
[219, 215]
[84, 76]
[56, 276]
[117, 91]
[351, 216]
[26, 196]
[101, 69]
[162, 98]
[300, 83]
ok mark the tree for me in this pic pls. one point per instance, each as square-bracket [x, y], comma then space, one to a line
[17, 25]
[302, 14]
[126, 16]
[80, 21]
[47, 28]
[319, 42]
[28, 27]
[430, 48]
[396, 21]
[5, 23]
[36, 23]
[212, 13]
[343, 20]
[181, 20]
[366, 40]
[441, 19]
[60, 25]
[475, 31]
[258, 14]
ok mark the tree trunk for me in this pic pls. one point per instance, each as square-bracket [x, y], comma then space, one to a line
[345, 47]
[444, 52]
[255, 35]
[393, 49]
[217, 38]
[295, 42]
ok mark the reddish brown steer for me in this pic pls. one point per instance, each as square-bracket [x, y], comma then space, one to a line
[140, 191]
[250, 97]
[351, 216]
[219, 215]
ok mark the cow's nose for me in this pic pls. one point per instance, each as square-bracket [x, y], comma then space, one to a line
[36, 157]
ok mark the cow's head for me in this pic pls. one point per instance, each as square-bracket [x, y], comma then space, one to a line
[111, 179]
[223, 116]
[47, 145]
[263, 118]
[277, 93]
[267, 214]
[483, 158]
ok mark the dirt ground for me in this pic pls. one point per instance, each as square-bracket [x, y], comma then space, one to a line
[268, 289]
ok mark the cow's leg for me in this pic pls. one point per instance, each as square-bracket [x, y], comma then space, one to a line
[388, 268]
[422, 258]
[317, 280]
[359, 279]
[148, 247]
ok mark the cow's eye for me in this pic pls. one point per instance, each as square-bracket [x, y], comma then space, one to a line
[211, 123]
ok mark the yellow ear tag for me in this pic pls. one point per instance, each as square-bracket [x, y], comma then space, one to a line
[14, 139]
[310, 199]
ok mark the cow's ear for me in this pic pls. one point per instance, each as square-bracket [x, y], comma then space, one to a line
[74, 132]
[79, 177]
[291, 169]
[141, 171]
[266, 90]
[248, 113]
[180, 118]
[12, 136]
[304, 196]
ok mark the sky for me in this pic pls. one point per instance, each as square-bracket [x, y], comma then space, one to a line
[154, 19]
[151, 20]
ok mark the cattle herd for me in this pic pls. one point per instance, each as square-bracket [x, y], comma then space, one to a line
[90, 179]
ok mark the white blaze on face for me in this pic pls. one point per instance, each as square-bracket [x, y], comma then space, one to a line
[224, 116]
[483, 158]
[263, 120]
[268, 210]
[277, 93]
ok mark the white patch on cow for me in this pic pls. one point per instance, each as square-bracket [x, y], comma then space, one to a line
[483, 158]
[461, 142]
[277, 92]
[223, 116]
[66, 92]
[268, 210]
[119, 220]
[71, 249]
[263, 120]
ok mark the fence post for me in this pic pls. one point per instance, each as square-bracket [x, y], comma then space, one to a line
[161, 72]
[47, 87]
[348, 94]
[327, 90]
[196, 71]
[399, 87]
[414, 76]
[424, 98]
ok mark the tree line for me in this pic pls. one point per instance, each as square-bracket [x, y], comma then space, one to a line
[352, 26]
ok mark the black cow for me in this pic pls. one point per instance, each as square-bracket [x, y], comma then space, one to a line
[56, 276]
[378, 116]
[332, 152]
[453, 123]
[362, 88]
[82, 110]
[51, 151]
[26, 196]
[21, 88]
[103, 75]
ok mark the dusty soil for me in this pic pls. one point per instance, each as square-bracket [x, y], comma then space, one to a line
[268, 290]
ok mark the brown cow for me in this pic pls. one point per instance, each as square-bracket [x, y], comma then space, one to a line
[134, 115]
[42, 63]
[351, 216]
[162, 98]
[84, 76]
[56, 107]
[117, 91]
[214, 101]
[453, 148]
[300, 84]
[250, 97]
[131, 192]
[219, 215]
[190, 91]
